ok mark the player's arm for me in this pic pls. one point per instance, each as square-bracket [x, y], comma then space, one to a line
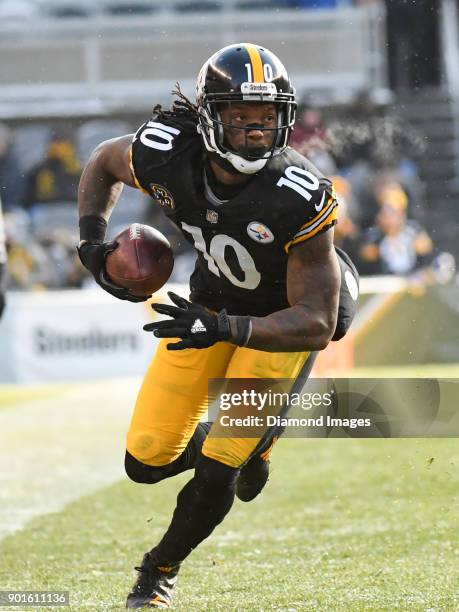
[313, 284]
[101, 184]
[103, 177]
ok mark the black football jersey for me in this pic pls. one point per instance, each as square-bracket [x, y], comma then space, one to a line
[242, 243]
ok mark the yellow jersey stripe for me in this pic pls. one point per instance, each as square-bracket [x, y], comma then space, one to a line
[257, 64]
[330, 203]
[317, 221]
[330, 220]
[131, 166]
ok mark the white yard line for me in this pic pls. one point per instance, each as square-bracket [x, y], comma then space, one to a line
[55, 450]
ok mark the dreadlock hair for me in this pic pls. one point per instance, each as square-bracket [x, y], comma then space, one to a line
[182, 109]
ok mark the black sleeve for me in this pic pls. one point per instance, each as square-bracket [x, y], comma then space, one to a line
[348, 294]
[152, 147]
[310, 218]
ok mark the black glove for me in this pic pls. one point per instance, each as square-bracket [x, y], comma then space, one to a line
[2, 303]
[93, 256]
[197, 326]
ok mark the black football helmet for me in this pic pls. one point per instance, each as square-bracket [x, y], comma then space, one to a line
[248, 73]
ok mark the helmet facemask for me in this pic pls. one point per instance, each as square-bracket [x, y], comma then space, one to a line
[247, 158]
[239, 74]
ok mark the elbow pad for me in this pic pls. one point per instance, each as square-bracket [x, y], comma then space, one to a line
[348, 294]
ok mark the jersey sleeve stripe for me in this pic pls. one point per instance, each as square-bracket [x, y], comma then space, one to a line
[330, 220]
[310, 228]
[136, 181]
[312, 225]
[331, 203]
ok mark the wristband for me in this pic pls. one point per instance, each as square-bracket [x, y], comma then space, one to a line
[223, 325]
[92, 229]
[241, 330]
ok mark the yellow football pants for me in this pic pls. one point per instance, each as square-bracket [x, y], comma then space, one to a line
[174, 397]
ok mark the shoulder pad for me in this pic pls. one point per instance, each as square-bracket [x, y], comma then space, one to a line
[155, 144]
[306, 196]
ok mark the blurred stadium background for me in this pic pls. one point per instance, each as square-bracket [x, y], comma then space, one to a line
[378, 88]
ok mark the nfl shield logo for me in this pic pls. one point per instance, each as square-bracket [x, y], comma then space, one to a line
[212, 216]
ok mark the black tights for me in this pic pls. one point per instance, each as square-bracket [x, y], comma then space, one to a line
[202, 503]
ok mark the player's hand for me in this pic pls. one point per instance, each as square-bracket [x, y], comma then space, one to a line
[195, 325]
[92, 256]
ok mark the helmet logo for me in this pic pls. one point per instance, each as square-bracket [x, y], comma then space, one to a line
[259, 232]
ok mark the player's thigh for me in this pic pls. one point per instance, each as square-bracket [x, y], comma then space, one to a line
[249, 363]
[172, 399]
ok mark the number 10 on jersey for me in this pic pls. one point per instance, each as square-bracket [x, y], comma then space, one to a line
[215, 257]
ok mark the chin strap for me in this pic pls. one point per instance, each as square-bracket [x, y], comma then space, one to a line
[245, 166]
[222, 162]
[234, 164]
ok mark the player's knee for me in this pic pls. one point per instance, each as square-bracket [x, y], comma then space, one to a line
[143, 473]
[153, 447]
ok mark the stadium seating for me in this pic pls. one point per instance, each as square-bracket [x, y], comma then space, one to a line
[30, 143]
[92, 133]
[68, 9]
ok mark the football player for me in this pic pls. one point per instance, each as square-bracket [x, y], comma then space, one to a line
[268, 291]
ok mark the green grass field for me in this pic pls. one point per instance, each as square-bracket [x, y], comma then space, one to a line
[346, 525]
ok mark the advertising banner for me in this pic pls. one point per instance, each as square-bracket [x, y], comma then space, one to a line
[74, 335]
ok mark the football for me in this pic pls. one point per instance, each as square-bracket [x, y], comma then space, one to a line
[142, 261]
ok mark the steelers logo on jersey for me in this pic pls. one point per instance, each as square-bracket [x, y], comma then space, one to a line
[162, 196]
[259, 232]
